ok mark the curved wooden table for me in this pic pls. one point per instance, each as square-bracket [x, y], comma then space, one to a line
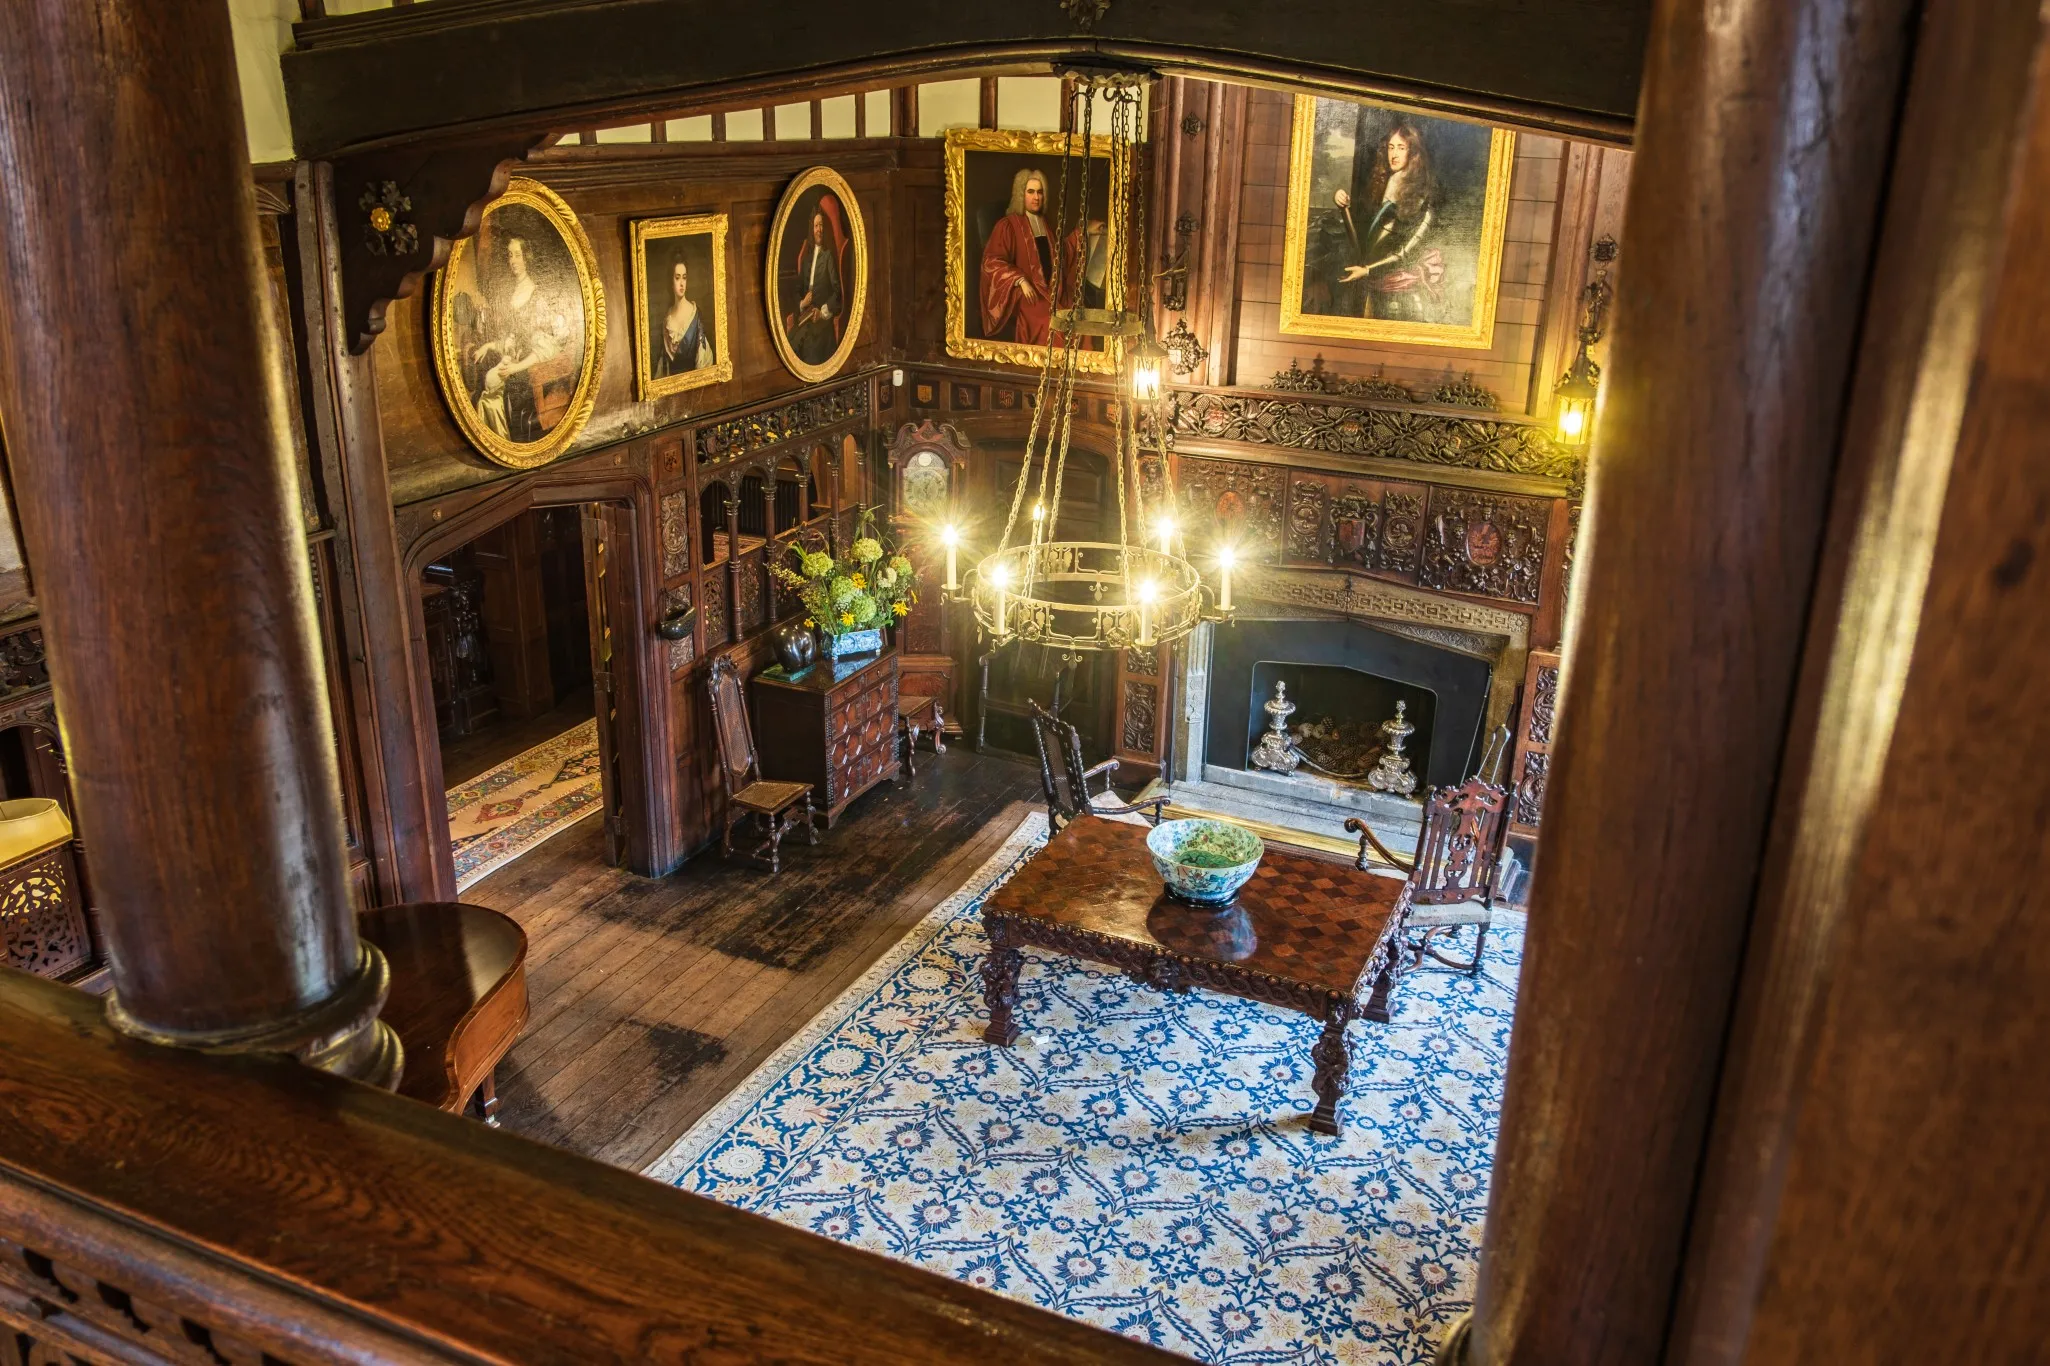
[458, 996]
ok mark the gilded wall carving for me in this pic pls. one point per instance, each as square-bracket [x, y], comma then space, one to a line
[735, 437]
[1359, 428]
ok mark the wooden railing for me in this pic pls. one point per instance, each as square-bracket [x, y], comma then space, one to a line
[162, 1205]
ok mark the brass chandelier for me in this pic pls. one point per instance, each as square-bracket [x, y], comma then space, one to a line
[1093, 595]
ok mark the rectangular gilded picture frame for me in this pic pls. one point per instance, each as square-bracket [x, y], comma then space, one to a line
[992, 249]
[1395, 225]
[683, 335]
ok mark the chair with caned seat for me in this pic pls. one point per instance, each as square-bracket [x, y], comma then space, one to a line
[1452, 874]
[740, 773]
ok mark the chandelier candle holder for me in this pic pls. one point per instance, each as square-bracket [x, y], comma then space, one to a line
[952, 540]
[1095, 594]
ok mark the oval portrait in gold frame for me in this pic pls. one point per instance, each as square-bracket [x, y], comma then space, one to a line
[519, 328]
[817, 275]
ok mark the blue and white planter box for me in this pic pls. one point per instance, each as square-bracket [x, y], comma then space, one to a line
[852, 643]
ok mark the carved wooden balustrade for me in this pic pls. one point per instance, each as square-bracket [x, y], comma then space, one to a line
[162, 1205]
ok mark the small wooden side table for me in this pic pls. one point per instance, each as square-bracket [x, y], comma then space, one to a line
[1306, 933]
[458, 997]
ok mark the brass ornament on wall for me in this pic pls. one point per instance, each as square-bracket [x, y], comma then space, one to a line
[385, 233]
[795, 328]
[518, 328]
[1185, 354]
[1086, 14]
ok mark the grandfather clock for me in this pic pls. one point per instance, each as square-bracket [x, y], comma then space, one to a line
[928, 466]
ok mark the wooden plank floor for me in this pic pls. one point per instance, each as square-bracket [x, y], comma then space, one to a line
[653, 998]
[502, 738]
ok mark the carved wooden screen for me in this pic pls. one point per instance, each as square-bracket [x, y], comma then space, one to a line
[1534, 742]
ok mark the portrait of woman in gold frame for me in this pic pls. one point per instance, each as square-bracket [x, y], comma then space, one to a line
[682, 338]
[817, 276]
[1000, 303]
[518, 326]
[1395, 225]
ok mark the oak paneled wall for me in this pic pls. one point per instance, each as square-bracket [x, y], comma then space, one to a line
[609, 186]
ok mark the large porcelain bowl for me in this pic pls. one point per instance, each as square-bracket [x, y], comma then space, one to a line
[1202, 861]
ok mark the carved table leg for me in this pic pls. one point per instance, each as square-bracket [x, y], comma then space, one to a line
[1376, 1008]
[1000, 986]
[939, 730]
[811, 823]
[1334, 1064]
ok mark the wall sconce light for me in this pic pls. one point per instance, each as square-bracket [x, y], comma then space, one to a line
[1574, 397]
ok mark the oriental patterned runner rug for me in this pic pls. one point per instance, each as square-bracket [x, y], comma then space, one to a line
[507, 810]
[1141, 1161]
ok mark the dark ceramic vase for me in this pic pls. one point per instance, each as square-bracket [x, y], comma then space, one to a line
[795, 648]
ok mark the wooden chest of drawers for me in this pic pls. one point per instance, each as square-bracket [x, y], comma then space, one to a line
[833, 725]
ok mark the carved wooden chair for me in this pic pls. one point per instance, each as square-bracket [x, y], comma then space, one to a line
[740, 772]
[1452, 873]
[1068, 794]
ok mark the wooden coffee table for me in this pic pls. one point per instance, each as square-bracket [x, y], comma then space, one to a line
[1307, 933]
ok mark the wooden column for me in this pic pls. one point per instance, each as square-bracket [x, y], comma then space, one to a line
[1763, 137]
[153, 465]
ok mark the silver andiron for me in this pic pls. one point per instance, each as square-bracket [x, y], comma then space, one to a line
[1276, 751]
[1392, 773]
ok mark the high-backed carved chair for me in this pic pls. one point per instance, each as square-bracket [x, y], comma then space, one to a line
[740, 772]
[1067, 792]
[1452, 874]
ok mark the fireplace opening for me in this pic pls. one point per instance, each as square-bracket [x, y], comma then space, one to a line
[1338, 715]
[1354, 674]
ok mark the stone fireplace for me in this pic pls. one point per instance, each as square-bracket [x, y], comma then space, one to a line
[1348, 649]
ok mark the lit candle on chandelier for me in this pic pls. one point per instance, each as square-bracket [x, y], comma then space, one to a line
[1224, 561]
[1000, 577]
[1146, 593]
[952, 539]
[1038, 521]
[1165, 529]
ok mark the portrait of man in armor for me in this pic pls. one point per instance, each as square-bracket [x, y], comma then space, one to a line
[1395, 225]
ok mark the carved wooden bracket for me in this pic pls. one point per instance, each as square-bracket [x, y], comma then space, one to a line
[399, 211]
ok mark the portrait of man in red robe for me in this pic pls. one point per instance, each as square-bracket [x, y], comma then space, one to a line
[1017, 293]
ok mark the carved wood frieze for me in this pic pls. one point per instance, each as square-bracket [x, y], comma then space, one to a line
[1544, 702]
[1385, 432]
[1235, 501]
[1141, 730]
[676, 508]
[751, 606]
[723, 442]
[713, 612]
[1484, 543]
[22, 663]
[1530, 789]
[1143, 660]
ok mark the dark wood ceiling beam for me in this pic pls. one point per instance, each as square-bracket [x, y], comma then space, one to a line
[390, 76]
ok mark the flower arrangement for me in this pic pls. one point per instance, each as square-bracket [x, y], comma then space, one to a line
[869, 587]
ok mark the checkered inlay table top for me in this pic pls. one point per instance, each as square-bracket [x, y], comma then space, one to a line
[1300, 918]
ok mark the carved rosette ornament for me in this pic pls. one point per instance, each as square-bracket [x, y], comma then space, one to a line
[385, 232]
[1086, 14]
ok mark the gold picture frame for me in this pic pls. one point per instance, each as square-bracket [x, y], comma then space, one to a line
[1468, 254]
[1004, 153]
[809, 192]
[519, 374]
[680, 237]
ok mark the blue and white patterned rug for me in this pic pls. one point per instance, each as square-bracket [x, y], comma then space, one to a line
[1141, 1161]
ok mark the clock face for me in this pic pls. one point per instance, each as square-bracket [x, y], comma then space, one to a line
[925, 486]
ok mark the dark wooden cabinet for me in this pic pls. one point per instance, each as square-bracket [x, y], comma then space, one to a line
[833, 725]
